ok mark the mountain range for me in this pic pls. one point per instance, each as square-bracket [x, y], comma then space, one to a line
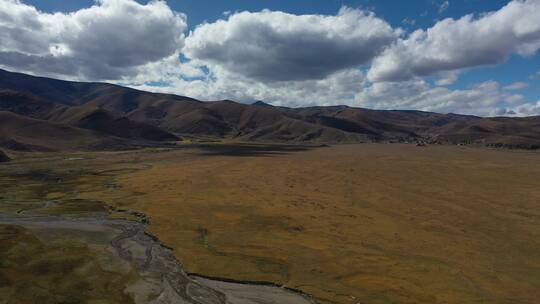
[44, 114]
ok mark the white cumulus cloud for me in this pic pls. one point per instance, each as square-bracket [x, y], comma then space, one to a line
[467, 42]
[277, 46]
[481, 99]
[338, 88]
[106, 41]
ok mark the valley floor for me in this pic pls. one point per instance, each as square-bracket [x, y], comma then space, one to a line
[367, 223]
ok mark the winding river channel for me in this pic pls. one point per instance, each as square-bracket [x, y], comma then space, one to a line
[163, 280]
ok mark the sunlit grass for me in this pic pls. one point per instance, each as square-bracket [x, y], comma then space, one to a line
[349, 224]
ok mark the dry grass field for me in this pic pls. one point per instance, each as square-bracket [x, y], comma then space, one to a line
[32, 271]
[354, 224]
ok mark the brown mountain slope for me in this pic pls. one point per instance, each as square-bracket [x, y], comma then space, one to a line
[500, 131]
[65, 92]
[248, 122]
[27, 134]
[185, 115]
[260, 121]
[86, 117]
[26, 104]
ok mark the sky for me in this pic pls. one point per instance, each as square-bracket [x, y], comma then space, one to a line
[478, 57]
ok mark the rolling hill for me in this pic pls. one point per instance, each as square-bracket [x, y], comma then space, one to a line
[127, 113]
[27, 134]
[85, 117]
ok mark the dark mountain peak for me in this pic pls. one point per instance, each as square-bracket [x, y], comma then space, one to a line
[3, 157]
[260, 103]
[462, 115]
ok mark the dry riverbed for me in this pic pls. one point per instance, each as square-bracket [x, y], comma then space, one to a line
[75, 250]
[123, 247]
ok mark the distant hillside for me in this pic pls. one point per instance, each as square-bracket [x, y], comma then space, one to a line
[86, 117]
[27, 134]
[123, 112]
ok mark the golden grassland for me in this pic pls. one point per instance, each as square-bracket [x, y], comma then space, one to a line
[353, 223]
[367, 223]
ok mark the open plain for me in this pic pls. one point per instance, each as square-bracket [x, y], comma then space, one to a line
[269, 152]
[364, 223]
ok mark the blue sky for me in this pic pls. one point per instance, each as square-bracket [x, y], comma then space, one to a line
[198, 11]
[506, 69]
[425, 12]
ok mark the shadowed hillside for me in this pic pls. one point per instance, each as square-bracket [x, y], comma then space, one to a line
[86, 117]
[3, 157]
[27, 134]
